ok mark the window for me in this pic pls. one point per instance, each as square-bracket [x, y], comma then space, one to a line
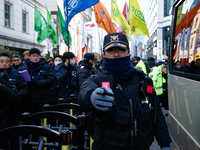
[7, 15]
[167, 6]
[166, 33]
[24, 22]
[186, 53]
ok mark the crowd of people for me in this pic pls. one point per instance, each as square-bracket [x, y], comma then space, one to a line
[123, 115]
[193, 67]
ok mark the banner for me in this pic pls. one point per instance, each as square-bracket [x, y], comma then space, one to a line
[126, 13]
[188, 43]
[103, 18]
[90, 27]
[117, 27]
[137, 21]
[139, 49]
[159, 50]
[76, 6]
[83, 33]
[179, 14]
[50, 47]
[62, 29]
[51, 30]
[117, 16]
[60, 42]
[40, 26]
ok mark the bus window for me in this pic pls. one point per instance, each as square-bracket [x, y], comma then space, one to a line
[186, 53]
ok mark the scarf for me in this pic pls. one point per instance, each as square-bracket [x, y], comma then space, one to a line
[120, 68]
[34, 65]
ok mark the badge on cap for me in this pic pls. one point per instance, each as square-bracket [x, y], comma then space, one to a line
[114, 38]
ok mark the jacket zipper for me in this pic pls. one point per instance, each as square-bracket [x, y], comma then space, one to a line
[130, 100]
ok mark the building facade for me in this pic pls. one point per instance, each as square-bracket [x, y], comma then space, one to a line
[74, 27]
[17, 24]
[158, 22]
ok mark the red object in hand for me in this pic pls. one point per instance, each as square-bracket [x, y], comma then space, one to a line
[106, 84]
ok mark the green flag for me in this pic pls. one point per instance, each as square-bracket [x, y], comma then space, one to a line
[51, 30]
[40, 26]
[62, 29]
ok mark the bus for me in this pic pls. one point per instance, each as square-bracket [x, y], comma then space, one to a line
[184, 75]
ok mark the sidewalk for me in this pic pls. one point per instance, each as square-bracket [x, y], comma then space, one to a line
[155, 145]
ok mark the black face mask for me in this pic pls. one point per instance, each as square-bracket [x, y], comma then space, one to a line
[124, 69]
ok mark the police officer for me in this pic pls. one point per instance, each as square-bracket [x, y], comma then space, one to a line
[136, 60]
[86, 69]
[9, 102]
[155, 74]
[139, 64]
[65, 74]
[41, 75]
[16, 78]
[121, 120]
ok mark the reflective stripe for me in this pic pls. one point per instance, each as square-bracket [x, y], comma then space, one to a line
[158, 87]
[154, 80]
[158, 74]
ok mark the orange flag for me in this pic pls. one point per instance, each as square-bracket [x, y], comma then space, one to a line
[103, 18]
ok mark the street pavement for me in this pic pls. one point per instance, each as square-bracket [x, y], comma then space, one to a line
[155, 145]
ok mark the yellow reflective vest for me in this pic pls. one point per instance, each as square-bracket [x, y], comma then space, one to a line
[141, 66]
[160, 68]
[156, 76]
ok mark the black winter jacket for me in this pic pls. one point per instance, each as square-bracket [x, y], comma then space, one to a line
[43, 76]
[66, 77]
[19, 82]
[117, 129]
[9, 99]
[83, 73]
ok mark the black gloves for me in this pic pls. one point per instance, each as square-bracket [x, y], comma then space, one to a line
[4, 77]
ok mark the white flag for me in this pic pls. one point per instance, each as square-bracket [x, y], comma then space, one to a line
[90, 27]
[186, 54]
[83, 33]
[60, 41]
[50, 47]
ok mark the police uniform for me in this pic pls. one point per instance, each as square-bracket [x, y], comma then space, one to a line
[85, 70]
[135, 116]
[156, 76]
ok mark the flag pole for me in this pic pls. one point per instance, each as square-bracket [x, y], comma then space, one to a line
[34, 28]
[110, 16]
[67, 30]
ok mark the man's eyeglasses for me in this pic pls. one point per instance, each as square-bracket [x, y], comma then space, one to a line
[4, 60]
[16, 60]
